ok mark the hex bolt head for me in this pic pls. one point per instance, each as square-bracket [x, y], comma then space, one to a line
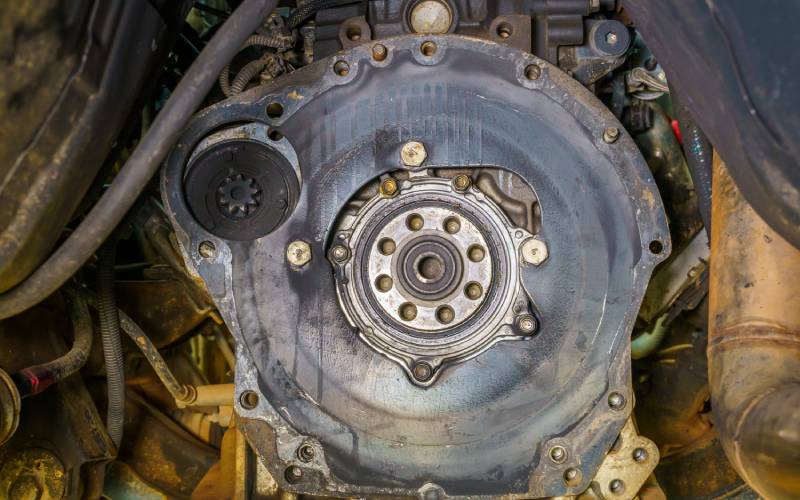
[639, 455]
[612, 38]
[527, 323]
[388, 188]
[461, 182]
[306, 452]
[616, 401]
[413, 154]
[298, 253]
[572, 476]
[558, 454]
[616, 486]
[207, 250]
[611, 134]
[340, 253]
[293, 474]
[422, 371]
[534, 251]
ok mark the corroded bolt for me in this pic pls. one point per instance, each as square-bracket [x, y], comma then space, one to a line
[388, 187]
[616, 401]
[572, 476]
[294, 474]
[616, 486]
[611, 134]
[306, 452]
[534, 251]
[527, 323]
[298, 253]
[639, 455]
[340, 253]
[461, 182]
[558, 454]
[422, 371]
[533, 72]
[379, 52]
[413, 154]
[207, 249]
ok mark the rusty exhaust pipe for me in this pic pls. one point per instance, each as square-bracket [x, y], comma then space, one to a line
[754, 343]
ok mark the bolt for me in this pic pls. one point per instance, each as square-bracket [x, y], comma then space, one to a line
[306, 453]
[616, 401]
[388, 188]
[452, 225]
[293, 474]
[558, 454]
[616, 486]
[298, 253]
[527, 323]
[476, 253]
[340, 253]
[461, 182]
[422, 371]
[572, 476]
[611, 134]
[387, 246]
[408, 311]
[533, 72]
[640, 455]
[445, 314]
[384, 283]
[473, 291]
[207, 250]
[413, 154]
[611, 38]
[415, 222]
[534, 251]
[379, 52]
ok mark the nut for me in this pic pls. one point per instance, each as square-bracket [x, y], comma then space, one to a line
[461, 182]
[534, 251]
[413, 154]
[611, 134]
[298, 253]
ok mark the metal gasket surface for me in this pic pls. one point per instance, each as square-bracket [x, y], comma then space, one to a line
[486, 426]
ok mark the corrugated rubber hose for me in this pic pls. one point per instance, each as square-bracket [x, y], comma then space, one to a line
[112, 344]
[143, 162]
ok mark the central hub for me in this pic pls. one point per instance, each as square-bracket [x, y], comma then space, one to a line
[432, 273]
[430, 267]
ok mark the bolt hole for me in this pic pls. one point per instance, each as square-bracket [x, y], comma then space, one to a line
[504, 30]
[274, 110]
[656, 247]
[341, 68]
[275, 135]
[248, 400]
[353, 33]
[428, 48]
[533, 72]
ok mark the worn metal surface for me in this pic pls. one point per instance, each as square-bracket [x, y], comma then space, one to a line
[627, 466]
[754, 342]
[486, 426]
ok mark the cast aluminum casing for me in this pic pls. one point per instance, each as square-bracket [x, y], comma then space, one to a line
[485, 427]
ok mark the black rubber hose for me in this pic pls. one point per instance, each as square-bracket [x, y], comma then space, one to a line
[142, 164]
[699, 155]
[308, 9]
[112, 344]
[35, 379]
